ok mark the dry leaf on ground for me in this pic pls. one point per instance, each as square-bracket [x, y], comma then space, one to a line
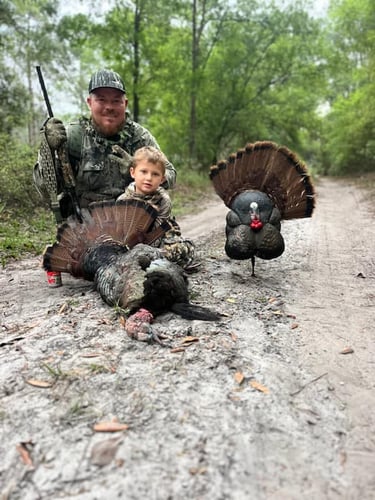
[178, 349]
[43, 384]
[239, 377]
[189, 339]
[110, 427]
[347, 350]
[25, 454]
[259, 387]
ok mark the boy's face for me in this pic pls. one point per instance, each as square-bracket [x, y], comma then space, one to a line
[107, 108]
[147, 176]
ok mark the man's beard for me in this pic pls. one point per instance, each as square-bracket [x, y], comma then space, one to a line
[108, 130]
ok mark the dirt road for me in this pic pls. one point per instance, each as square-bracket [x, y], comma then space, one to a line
[276, 401]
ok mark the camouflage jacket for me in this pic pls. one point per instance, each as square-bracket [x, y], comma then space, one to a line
[98, 175]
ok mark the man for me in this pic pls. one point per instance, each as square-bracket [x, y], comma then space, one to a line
[96, 152]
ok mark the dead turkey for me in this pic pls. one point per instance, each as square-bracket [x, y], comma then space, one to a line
[112, 248]
[262, 184]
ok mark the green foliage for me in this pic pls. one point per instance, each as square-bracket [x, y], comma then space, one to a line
[27, 235]
[350, 133]
[16, 167]
[25, 227]
[191, 187]
[12, 91]
[30, 38]
[13, 96]
[349, 127]
[251, 71]
[78, 34]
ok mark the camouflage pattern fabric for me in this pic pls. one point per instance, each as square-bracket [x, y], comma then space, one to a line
[98, 169]
[178, 249]
[47, 179]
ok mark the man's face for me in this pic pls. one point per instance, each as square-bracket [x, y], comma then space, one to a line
[107, 108]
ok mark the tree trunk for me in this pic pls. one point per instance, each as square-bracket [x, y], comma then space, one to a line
[193, 90]
[137, 29]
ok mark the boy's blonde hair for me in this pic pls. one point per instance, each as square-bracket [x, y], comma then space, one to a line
[151, 154]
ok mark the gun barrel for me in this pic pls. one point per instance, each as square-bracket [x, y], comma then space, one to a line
[44, 90]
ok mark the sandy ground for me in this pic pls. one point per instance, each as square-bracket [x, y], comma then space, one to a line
[276, 401]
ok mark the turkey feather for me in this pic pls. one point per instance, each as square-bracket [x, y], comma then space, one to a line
[271, 169]
[262, 184]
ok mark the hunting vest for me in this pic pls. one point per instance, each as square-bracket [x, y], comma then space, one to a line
[98, 175]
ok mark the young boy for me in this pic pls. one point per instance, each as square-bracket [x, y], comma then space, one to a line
[148, 173]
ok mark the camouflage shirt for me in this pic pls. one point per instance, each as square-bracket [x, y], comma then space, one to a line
[99, 174]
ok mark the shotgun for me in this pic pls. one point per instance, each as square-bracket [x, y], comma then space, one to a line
[62, 163]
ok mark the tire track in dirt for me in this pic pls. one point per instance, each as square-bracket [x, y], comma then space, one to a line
[334, 301]
[332, 293]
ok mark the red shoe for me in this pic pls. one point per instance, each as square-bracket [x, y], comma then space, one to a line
[54, 279]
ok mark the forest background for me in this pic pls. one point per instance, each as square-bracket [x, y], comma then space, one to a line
[204, 76]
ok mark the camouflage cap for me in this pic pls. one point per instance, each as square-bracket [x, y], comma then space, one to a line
[106, 78]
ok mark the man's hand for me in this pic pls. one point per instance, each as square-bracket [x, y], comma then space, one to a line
[120, 158]
[55, 133]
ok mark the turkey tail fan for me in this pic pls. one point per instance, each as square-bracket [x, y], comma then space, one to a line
[274, 170]
[108, 228]
[218, 176]
[65, 255]
[125, 221]
[74, 241]
[156, 233]
[149, 237]
[102, 213]
[58, 258]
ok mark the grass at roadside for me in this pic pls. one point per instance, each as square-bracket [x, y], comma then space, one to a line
[24, 234]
